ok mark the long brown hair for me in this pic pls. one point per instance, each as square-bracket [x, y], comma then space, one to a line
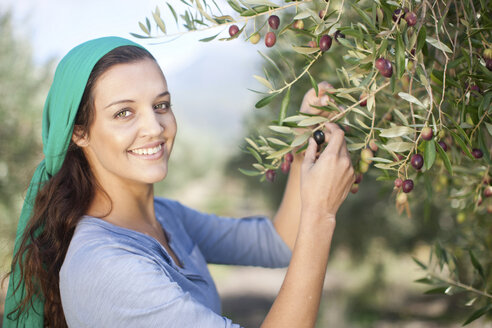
[59, 206]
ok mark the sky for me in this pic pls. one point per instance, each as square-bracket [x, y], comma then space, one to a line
[208, 81]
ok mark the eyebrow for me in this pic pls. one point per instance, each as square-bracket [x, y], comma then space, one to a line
[165, 93]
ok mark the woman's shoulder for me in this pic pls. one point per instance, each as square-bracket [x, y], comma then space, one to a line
[96, 241]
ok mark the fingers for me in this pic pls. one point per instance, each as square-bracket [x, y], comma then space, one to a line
[310, 154]
[322, 99]
[324, 87]
[335, 137]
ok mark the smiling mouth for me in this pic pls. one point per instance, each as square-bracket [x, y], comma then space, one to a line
[146, 151]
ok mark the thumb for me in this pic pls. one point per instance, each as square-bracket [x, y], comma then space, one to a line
[310, 155]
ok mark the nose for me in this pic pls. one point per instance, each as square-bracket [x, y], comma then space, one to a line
[151, 124]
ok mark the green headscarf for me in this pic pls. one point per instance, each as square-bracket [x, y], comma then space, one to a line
[59, 115]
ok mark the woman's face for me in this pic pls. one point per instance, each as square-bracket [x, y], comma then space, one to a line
[134, 127]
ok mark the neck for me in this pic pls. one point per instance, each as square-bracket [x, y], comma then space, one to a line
[126, 205]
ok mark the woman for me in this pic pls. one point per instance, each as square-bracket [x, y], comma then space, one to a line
[95, 248]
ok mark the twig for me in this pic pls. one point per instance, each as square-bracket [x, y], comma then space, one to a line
[349, 109]
[478, 124]
[245, 20]
[460, 285]
[299, 76]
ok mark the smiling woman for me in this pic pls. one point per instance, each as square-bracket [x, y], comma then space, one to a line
[96, 248]
[131, 139]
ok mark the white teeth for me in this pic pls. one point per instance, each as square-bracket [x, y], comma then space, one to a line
[147, 151]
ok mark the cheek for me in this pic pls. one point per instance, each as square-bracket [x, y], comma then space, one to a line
[112, 139]
[169, 122]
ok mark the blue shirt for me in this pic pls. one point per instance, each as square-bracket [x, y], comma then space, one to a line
[117, 277]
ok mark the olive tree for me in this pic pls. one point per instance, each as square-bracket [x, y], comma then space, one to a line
[411, 87]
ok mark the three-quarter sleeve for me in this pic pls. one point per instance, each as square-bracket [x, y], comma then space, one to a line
[247, 241]
[110, 286]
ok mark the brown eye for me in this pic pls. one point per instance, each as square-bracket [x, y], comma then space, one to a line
[123, 113]
[163, 106]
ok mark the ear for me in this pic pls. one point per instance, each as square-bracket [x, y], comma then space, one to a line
[80, 138]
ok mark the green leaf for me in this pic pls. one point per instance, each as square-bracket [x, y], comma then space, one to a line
[143, 28]
[478, 313]
[355, 146]
[261, 3]
[138, 36]
[420, 264]
[255, 11]
[271, 61]
[421, 39]
[314, 84]
[385, 166]
[482, 144]
[400, 55]
[312, 121]
[361, 124]
[158, 20]
[438, 44]
[280, 153]
[363, 15]
[259, 167]
[173, 12]
[476, 264]
[210, 38]
[255, 154]
[281, 129]
[263, 81]
[252, 143]
[300, 139]
[400, 116]
[429, 153]
[489, 127]
[277, 142]
[396, 131]
[437, 290]
[380, 160]
[399, 146]
[370, 102]
[382, 48]
[485, 104]
[295, 118]
[283, 107]
[410, 98]
[265, 101]
[461, 143]
[147, 22]
[235, 5]
[204, 12]
[444, 158]
[305, 50]
[250, 173]
[305, 13]
[463, 134]
[426, 281]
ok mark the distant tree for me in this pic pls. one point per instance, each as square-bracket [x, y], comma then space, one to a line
[23, 88]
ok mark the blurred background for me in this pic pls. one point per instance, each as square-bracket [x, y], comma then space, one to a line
[370, 280]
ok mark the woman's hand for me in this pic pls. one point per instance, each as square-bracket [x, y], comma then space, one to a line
[326, 181]
[310, 99]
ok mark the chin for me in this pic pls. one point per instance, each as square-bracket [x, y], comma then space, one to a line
[158, 177]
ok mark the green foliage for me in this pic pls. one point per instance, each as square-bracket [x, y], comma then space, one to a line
[440, 79]
[23, 87]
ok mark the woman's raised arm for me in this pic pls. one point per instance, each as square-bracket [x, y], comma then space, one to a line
[286, 220]
[324, 184]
